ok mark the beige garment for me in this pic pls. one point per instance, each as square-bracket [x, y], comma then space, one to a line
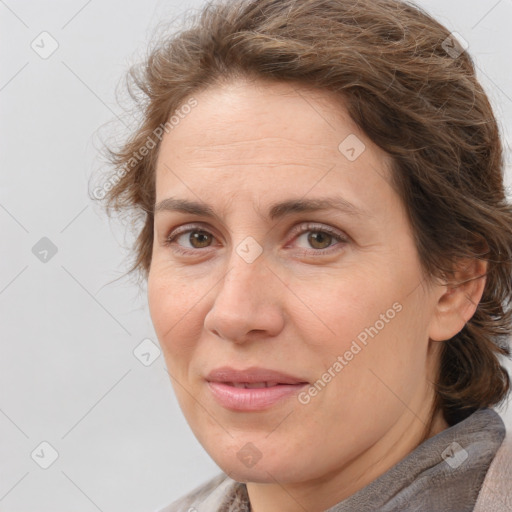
[496, 492]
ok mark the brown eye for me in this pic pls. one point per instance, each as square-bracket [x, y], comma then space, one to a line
[199, 239]
[319, 239]
[190, 240]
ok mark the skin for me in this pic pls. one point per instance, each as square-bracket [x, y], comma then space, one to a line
[301, 303]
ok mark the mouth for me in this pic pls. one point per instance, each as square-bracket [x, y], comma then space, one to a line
[254, 385]
[253, 389]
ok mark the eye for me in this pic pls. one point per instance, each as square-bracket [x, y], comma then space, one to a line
[188, 240]
[318, 237]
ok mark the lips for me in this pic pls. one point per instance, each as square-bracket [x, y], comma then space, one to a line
[253, 389]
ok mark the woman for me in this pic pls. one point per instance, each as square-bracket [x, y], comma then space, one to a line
[327, 247]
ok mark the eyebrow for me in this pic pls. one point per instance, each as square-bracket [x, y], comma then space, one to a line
[276, 210]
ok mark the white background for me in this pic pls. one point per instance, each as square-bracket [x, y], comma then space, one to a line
[68, 375]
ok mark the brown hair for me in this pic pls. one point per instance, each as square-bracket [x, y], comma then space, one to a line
[412, 89]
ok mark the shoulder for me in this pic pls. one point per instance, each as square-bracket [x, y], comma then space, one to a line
[496, 491]
[209, 496]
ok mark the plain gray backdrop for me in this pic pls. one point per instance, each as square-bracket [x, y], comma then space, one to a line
[79, 394]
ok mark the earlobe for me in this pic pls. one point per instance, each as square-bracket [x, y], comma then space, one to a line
[458, 299]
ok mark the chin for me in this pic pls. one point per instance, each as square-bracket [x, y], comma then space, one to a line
[249, 475]
[244, 466]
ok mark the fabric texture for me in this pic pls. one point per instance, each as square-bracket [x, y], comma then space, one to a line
[496, 492]
[444, 473]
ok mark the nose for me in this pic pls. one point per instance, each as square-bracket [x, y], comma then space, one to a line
[247, 304]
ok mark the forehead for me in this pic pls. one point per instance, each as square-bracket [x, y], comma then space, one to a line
[284, 136]
[241, 117]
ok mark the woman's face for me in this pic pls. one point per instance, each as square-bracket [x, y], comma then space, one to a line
[295, 266]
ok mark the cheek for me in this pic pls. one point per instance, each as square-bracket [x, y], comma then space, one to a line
[384, 355]
[335, 309]
[371, 320]
[175, 309]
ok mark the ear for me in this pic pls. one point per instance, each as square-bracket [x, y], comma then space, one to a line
[458, 299]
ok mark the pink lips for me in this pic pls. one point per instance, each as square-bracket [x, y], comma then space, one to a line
[253, 389]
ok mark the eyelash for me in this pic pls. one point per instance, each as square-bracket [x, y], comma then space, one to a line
[316, 228]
